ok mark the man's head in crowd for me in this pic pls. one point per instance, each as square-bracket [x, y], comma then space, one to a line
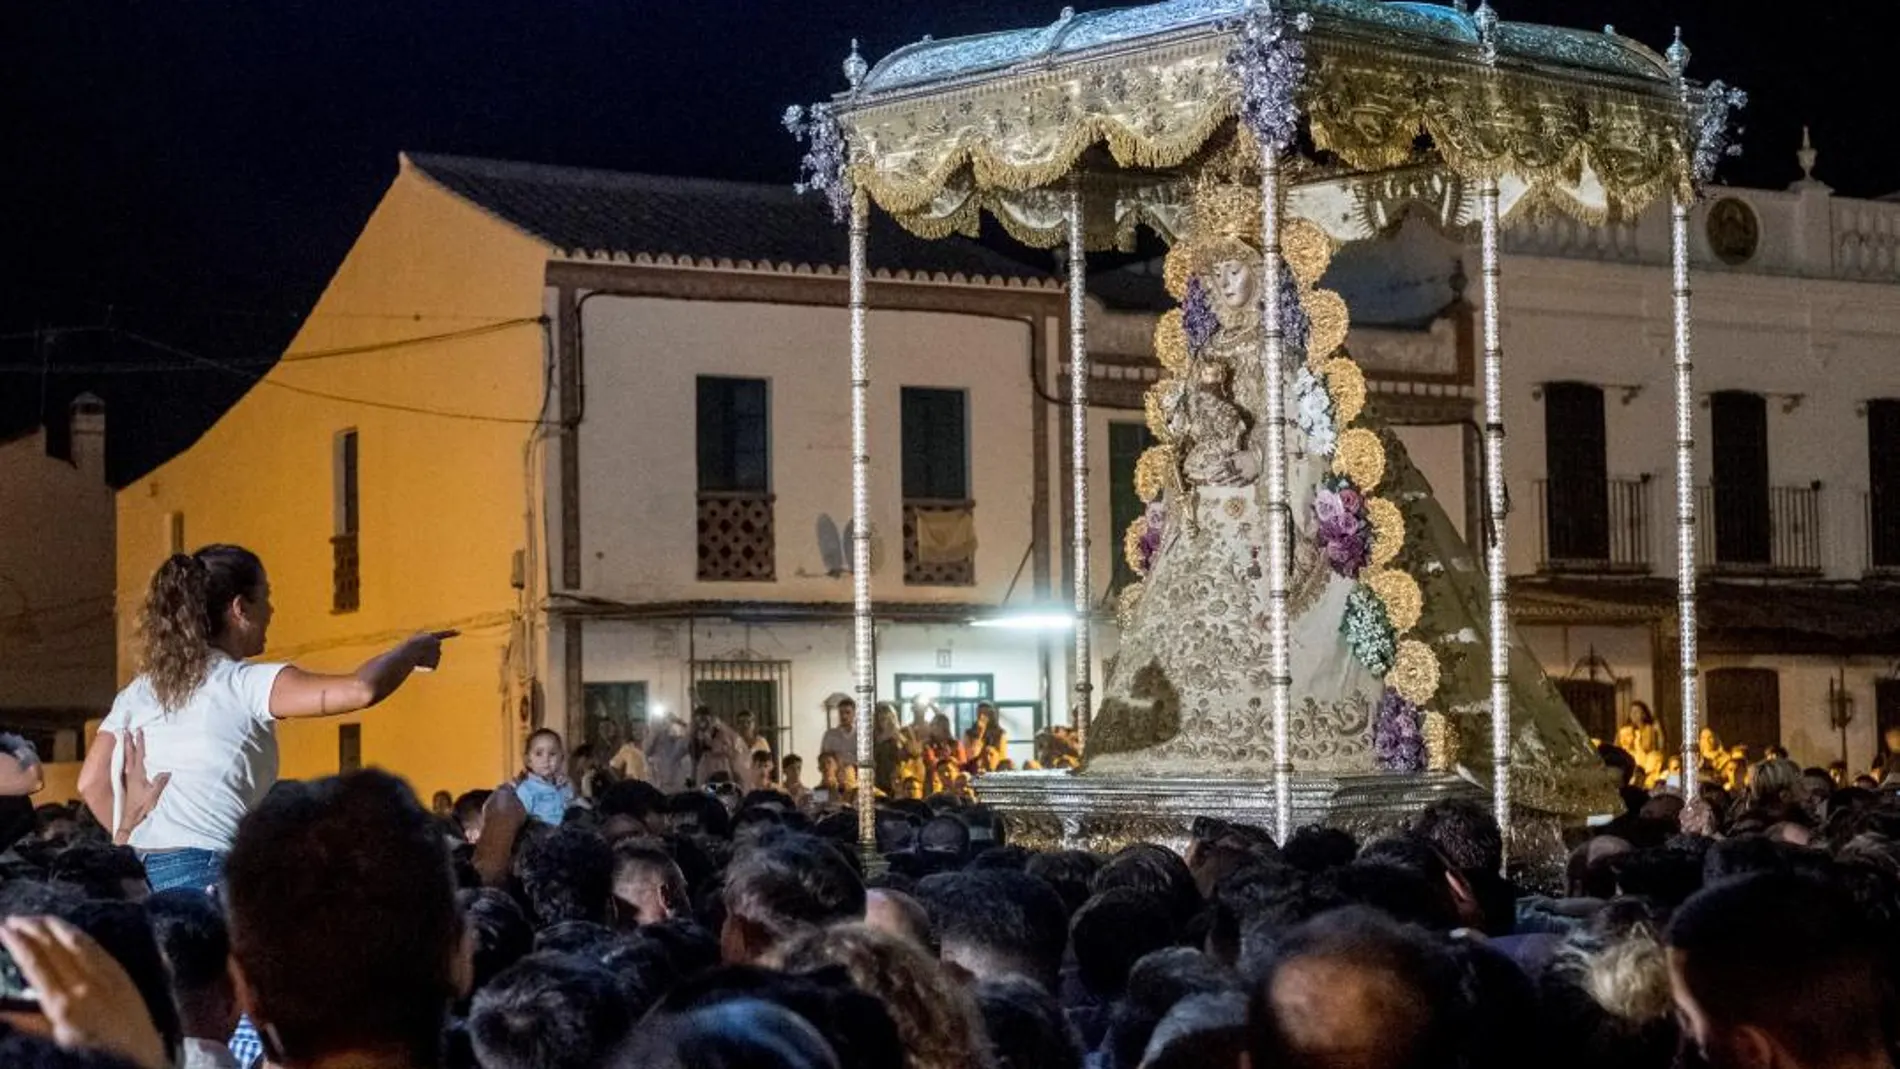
[567, 875]
[997, 922]
[1353, 989]
[548, 1011]
[1778, 970]
[1026, 1026]
[343, 925]
[197, 948]
[498, 932]
[631, 808]
[647, 884]
[899, 914]
[467, 814]
[936, 1017]
[1114, 930]
[778, 890]
[741, 1032]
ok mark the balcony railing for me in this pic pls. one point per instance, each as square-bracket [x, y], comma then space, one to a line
[346, 580]
[939, 543]
[736, 540]
[1617, 540]
[1734, 538]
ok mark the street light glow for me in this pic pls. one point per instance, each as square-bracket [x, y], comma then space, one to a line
[1047, 621]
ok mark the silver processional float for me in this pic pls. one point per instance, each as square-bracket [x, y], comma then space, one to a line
[1311, 639]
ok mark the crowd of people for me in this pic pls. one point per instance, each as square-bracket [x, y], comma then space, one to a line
[197, 913]
[911, 760]
[353, 928]
[1640, 737]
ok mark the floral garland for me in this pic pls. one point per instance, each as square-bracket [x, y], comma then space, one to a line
[1345, 535]
[1143, 539]
[1398, 737]
[1313, 412]
[1368, 632]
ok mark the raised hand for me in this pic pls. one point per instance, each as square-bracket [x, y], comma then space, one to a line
[141, 791]
[85, 995]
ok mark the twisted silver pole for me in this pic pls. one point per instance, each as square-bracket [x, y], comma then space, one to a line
[1496, 562]
[862, 635]
[1685, 495]
[1079, 446]
[1279, 652]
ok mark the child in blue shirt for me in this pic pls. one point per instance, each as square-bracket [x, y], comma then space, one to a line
[543, 789]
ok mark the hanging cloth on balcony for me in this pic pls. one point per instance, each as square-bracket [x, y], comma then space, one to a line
[945, 536]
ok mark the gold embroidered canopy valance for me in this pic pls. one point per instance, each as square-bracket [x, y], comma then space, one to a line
[1593, 124]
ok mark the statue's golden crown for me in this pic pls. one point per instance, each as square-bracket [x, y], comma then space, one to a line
[1223, 221]
[1224, 211]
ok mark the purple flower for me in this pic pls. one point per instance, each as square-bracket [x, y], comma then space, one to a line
[1397, 743]
[1344, 535]
[1197, 316]
[1150, 543]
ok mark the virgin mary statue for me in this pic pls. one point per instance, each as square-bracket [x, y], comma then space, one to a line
[1385, 601]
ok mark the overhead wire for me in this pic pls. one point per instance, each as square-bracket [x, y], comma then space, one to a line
[367, 402]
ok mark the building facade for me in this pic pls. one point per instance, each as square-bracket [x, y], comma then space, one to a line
[600, 424]
[56, 583]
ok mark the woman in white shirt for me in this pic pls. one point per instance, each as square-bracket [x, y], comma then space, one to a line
[204, 720]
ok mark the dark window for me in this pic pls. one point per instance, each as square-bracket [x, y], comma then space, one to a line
[1883, 473]
[175, 532]
[1740, 447]
[734, 436]
[1593, 703]
[349, 748]
[1126, 442]
[1744, 708]
[1579, 489]
[936, 445]
[348, 512]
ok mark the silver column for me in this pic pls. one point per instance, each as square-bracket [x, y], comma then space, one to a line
[864, 654]
[1079, 448]
[1279, 653]
[1685, 494]
[1496, 562]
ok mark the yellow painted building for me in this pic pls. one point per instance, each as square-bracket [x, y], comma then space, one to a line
[443, 439]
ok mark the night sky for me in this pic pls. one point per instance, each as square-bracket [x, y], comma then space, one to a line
[191, 172]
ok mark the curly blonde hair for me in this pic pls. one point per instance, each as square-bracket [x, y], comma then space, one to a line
[187, 609]
[936, 1018]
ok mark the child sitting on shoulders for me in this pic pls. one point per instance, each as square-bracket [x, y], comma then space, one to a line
[543, 788]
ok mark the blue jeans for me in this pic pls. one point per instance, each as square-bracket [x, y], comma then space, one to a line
[197, 870]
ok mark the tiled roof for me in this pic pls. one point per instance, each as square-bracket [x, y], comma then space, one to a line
[615, 215]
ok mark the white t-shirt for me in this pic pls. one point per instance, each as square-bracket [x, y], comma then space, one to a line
[220, 748]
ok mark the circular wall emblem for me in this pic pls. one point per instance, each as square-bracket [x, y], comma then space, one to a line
[1734, 231]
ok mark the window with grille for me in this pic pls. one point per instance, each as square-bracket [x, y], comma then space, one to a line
[1739, 442]
[1577, 506]
[939, 517]
[737, 541]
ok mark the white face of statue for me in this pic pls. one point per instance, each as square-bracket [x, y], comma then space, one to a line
[1236, 290]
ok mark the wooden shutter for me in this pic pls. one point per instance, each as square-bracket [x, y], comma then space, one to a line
[1742, 522]
[1578, 497]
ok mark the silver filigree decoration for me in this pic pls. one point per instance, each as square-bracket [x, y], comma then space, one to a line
[1270, 63]
[823, 168]
[1713, 138]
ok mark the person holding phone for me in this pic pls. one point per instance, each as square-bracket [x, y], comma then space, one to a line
[199, 722]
